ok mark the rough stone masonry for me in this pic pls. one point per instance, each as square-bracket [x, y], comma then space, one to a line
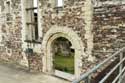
[95, 29]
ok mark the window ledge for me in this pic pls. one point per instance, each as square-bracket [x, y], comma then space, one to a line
[32, 8]
[58, 9]
[33, 41]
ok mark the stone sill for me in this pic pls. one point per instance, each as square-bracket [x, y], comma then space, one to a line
[32, 41]
[58, 9]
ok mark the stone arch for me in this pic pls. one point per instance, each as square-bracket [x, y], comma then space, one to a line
[54, 33]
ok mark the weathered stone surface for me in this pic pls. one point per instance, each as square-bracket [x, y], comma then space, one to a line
[108, 30]
[11, 32]
[35, 62]
[98, 29]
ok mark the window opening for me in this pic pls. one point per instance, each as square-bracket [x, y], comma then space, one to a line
[8, 7]
[32, 20]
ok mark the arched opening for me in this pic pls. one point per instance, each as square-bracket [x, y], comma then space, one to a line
[63, 55]
[75, 45]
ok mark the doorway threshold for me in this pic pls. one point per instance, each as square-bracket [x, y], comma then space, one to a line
[64, 75]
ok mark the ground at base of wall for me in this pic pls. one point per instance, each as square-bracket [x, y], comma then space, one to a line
[13, 65]
[10, 73]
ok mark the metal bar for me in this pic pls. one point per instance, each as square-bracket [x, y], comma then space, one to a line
[85, 81]
[84, 76]
[32, 8]
[104, 79]
[100, 51]
[32, 23]
[114, 81]
[89, 78]
[120, 68]
[123, 76]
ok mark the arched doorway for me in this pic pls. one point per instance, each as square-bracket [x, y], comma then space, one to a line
[63, 55]
[76, 46]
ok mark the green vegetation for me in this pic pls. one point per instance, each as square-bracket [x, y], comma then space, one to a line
[64, 63]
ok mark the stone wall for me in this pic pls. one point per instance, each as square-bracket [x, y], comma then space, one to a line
[10, 25]
[101, 29]
[75, 15]
[104, 35]
[108, 30]
[11, 40]
[35, 62]
[72, 15]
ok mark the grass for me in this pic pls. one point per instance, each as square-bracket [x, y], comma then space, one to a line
[64, 63]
